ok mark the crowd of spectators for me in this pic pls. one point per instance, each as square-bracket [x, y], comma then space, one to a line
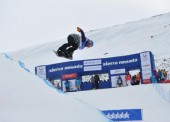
[132, 80]
[159, 76]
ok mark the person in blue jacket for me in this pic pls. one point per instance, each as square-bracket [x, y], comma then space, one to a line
[159, 75]
[78, 84]
[67, 85]
[75, 41]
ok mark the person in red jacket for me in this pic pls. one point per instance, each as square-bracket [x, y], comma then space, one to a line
[128, 79]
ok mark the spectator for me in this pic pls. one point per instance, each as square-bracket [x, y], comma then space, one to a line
[133, 80]
[156, 75]
[92, 81]
[165, 74]
[153, 79]
[96, 81]
[67, 85]
[138, 78]
[78, 84]
[159, 75]
[119, 81]
[128, 79]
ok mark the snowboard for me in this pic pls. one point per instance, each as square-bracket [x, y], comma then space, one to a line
[63, 56]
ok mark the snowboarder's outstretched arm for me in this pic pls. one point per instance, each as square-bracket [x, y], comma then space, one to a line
[82, 34]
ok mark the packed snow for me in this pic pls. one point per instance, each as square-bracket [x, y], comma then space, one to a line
[26, 97]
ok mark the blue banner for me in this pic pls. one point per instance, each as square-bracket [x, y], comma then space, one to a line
[82, 66]
[101, 65]
[124, 115]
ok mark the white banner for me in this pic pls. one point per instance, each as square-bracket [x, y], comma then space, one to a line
[146, 65]
[117, 71]
[92, 62]
[93, 68]
[41, 72]
[145, 57]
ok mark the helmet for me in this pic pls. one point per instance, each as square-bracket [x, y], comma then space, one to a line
[90, 43]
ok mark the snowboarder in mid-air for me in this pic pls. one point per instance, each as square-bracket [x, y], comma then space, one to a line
[75, 41]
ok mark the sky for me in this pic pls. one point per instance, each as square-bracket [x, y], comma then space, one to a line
[25, 23]
[24, 95]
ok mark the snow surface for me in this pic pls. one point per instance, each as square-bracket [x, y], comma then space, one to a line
[26, 97]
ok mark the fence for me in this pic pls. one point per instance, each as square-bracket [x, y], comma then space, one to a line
[162, 90]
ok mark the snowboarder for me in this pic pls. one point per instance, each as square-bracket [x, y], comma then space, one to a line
[75, 41]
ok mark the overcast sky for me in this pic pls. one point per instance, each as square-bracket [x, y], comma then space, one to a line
[24, 23]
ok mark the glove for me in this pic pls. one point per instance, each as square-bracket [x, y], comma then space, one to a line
[78, 29]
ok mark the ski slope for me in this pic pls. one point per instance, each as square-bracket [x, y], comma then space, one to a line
[145, 97]
[25, 97]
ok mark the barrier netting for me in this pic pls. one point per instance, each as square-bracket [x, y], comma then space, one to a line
[162, 91]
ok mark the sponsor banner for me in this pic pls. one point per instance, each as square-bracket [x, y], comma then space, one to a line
[41, 72]
[115, 65]
[146, 68]
[146, 65]
[92, 62]
[93, 68]
[105, 64]
[117, 71]
[69, 76]
[145, 57]
[124, 115]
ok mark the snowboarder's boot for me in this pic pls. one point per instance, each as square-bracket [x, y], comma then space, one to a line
[60, 53]
[68, 55]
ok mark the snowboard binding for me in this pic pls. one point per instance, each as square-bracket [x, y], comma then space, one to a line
[66, 54]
